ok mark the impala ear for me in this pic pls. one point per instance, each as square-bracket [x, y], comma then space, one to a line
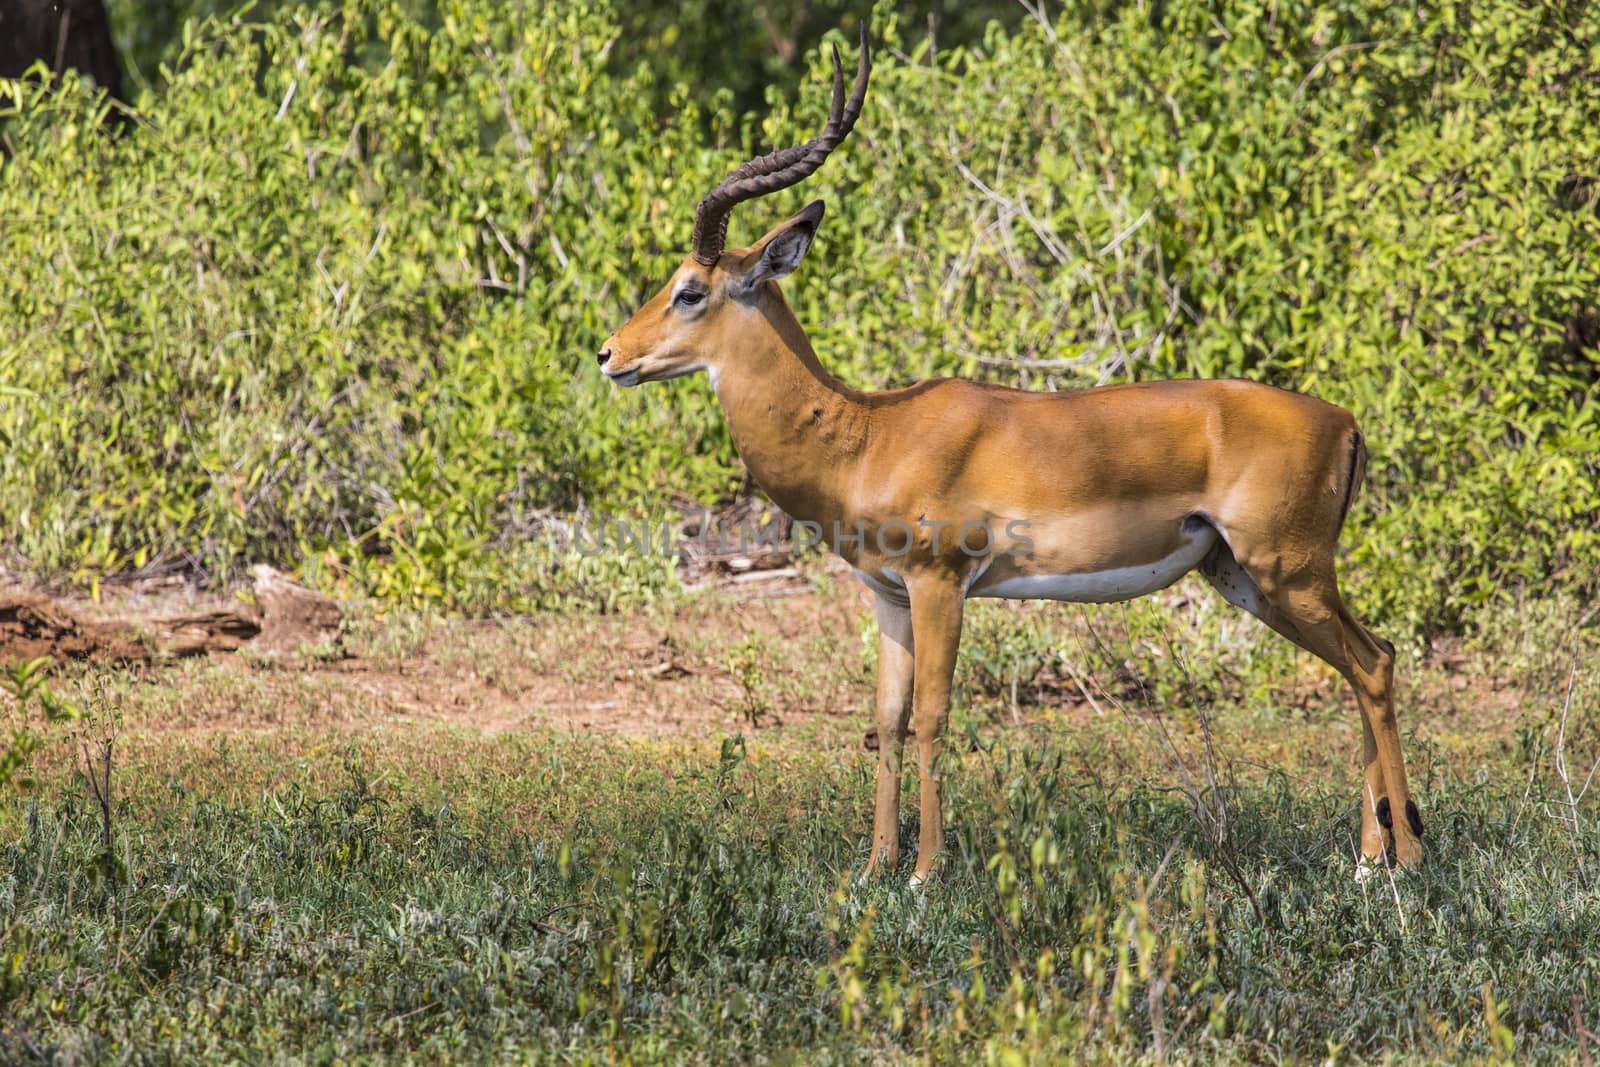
[780, 252]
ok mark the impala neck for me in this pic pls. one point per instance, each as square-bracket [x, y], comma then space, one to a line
[797, 428]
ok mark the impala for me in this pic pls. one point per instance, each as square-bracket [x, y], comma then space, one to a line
[1095, 495]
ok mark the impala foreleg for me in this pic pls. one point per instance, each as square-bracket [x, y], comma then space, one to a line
[895, 678]
[936, 606]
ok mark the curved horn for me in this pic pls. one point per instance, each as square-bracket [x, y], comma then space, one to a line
[768, 174]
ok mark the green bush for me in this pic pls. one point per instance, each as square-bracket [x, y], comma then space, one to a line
[319, 306]
[339, 315]
[748, 49]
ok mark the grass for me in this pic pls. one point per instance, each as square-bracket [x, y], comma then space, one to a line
[287, 887]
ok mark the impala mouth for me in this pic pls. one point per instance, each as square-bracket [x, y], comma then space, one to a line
[631, 376]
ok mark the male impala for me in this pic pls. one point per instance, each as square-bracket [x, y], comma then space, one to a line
[1090, 495]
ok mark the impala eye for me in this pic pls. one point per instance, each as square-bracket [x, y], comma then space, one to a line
[690, 297]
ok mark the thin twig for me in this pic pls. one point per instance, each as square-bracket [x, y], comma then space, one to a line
[1533, 769]
[1571, 817]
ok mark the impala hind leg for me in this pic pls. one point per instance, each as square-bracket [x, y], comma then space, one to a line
[936, 608]
[1239, 588]
[895, 678]
[1386, 796]
[1326, 627]
[1390, 802]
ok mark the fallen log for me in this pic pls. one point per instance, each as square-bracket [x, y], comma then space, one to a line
[284, 617]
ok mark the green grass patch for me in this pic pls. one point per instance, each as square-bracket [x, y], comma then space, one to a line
[437, 894]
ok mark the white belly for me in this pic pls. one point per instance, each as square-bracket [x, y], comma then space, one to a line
[1104, 587]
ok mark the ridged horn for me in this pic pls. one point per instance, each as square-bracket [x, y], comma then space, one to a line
[781, 169]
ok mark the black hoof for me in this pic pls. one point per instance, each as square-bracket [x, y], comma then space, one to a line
[1414, 817]
[1385, 818]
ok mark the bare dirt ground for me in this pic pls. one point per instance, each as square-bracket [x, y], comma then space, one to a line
[776, 653]
[275, 655]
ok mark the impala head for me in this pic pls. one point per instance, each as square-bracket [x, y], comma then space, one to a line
[683, 327]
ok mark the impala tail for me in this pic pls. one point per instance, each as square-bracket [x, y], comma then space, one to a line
[1358, 474]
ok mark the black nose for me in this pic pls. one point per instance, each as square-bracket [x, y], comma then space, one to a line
[604, 356]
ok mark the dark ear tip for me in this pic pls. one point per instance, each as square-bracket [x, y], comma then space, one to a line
[813, 212]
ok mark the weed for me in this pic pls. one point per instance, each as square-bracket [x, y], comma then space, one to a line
[745, 664]
[25, 685]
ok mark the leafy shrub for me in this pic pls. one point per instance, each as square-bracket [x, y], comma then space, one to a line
[338, 314]
[317, 305]
[749, 49]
